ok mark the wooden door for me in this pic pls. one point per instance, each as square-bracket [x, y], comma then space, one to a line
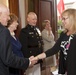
[46, 9]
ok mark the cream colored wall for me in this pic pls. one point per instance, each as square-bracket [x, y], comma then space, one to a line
[4, 2]
[22, 12]
[21, 8]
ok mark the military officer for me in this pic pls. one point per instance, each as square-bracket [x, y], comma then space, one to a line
[31, 40]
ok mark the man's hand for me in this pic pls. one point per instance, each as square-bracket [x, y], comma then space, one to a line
[32, 61]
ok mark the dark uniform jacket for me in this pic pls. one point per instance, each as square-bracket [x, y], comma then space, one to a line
[7, 58]
[31, 41]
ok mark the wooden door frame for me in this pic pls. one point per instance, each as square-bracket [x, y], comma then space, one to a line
[54, 16]
[14, 8]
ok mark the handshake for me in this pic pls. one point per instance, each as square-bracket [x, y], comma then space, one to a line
[33, 60]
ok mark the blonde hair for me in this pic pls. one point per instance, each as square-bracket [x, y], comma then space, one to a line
[45, 22]
[71, 13]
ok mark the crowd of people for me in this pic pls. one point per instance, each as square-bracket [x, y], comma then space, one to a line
[28, 51]
[9, 58]
[65, 45]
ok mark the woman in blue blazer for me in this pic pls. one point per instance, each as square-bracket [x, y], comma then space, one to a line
[16, 45]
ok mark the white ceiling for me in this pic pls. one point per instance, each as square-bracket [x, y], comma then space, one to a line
[69, 1]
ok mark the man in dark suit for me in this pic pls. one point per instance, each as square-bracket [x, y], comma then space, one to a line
[31, 40]
[7, 58]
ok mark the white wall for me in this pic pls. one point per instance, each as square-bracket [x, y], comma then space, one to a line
[22, 12]
[69, 1]
[21, 8]
[4, 2]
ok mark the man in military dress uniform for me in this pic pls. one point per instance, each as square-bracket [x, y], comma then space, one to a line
[30, 38]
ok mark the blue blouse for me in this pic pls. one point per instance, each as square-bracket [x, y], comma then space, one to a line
[16, 48]
[16, 45]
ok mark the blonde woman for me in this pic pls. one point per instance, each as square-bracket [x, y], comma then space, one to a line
[66, 44]
[48, 40]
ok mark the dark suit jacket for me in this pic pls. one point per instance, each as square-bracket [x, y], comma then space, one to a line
[7, 58]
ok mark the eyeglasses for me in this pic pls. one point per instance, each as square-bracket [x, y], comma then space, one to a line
[63, 18]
